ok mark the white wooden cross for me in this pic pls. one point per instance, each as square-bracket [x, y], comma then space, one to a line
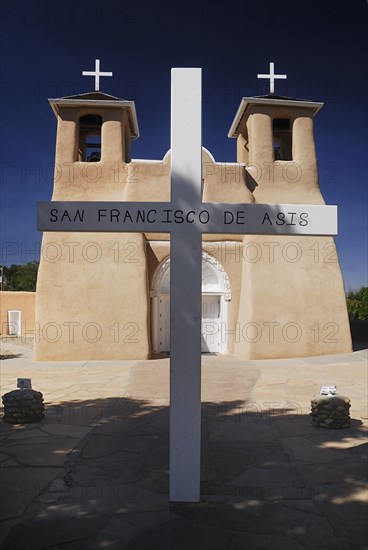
[96, 73]
[272, 77]
[186, 256]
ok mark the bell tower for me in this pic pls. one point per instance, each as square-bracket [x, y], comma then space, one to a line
[89, 283]
[275, 141]
[92, 128]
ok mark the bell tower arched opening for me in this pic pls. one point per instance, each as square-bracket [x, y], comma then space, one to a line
[282, 138]
[89, 149]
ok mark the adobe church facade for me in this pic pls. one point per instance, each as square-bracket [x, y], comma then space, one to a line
[105, 296]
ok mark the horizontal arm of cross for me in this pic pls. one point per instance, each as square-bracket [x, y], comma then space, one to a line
[161, 217]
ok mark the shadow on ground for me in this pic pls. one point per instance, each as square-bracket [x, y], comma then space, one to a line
[9, 355]
[269, 481]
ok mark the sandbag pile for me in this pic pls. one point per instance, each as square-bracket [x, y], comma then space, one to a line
[23, 406]
[330, 411]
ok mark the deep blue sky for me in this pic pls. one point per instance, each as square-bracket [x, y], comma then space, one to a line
[319, 44]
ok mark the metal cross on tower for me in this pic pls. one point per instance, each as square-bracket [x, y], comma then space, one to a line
[272, 76]
[96, 73]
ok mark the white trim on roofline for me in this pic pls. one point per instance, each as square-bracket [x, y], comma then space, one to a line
[233, 133]
[130, 105]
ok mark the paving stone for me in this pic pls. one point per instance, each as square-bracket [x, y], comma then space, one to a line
[147, 520]
[304, 449]
[46, 452]
[294, 426]
[253, 476]
[30, 434]
[269, 484]
[73, 545]
[64, 429]
[114, 536]
[156, 481]
[304, 504]
[347, 441]
[180, 535]
[19, 486]
[132, 498]
[146, 387]
[349, 472]
[100, 446]
[10, 462]
[8, 525]
[60, 524]
[241, 429]
[261, 517]
[118, 469]
[39, 439]
[240, 541]
[309, 534]
[4, 456]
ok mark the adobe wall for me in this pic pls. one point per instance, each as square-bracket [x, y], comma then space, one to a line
[292, 301]
[222, 182]
[92, 297]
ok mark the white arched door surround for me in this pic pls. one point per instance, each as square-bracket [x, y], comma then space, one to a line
[216, 294]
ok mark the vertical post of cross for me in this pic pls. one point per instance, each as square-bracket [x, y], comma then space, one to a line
[185, 288]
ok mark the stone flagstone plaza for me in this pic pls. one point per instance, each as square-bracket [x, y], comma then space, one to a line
[95, 473]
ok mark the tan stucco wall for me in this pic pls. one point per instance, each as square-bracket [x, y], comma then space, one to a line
[292, 301]
[305, 296]
[222, 182]
[21, 301]
[92, 297]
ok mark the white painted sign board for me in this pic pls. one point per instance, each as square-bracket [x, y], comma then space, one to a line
[186, 217]
[328, 390]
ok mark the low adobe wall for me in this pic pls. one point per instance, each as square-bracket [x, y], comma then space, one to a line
[21, 301]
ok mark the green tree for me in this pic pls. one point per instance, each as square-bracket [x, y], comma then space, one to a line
[357, 302]
[20, 277]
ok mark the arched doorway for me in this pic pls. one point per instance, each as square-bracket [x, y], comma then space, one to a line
[216, 294]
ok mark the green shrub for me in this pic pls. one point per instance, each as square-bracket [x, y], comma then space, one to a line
[20, 277]
[357, 302]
